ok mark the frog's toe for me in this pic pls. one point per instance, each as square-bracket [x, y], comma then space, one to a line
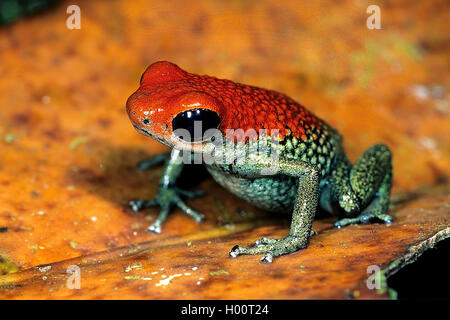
[271, 248]
[374, 215]
[137, 205]
[345, 222]
[166, 199]
[155, 227]
[364, 218]
[190, 212]
[385, 218]
[265, 241]
[267, 258]
[260, 249]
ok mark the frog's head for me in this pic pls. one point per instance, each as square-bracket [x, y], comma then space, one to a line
[170, 108]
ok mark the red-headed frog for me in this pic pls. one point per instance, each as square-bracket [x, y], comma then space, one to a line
[262, 146]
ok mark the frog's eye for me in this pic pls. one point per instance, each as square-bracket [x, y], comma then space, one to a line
[196, 121]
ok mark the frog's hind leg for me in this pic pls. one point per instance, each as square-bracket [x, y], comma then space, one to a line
[367, 188]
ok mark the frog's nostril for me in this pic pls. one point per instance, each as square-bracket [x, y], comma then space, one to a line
[146, 121]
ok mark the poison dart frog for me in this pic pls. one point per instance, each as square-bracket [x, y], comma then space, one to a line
[312, 168]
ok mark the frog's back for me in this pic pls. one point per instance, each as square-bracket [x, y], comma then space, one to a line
[244, 106]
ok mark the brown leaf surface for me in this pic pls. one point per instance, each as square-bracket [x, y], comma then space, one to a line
[196, 265]
[68, 152]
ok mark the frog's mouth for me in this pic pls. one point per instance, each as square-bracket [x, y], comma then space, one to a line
[151, 135]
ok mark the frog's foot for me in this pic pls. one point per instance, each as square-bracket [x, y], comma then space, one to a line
[153, 161]
[271, 247]
[166, 199]
[363, 218]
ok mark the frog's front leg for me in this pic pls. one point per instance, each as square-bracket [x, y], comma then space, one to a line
[302, 216]
[153, 161]
[169, 195]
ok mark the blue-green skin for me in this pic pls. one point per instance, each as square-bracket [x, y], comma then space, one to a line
[310, 173]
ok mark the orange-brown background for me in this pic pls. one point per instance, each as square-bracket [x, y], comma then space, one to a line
[68, 151]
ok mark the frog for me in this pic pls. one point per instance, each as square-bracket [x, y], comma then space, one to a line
[301, 167]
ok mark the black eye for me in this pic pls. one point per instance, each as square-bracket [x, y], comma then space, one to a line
[203, 118]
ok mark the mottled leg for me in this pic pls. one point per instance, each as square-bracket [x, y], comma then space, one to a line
[302, 217]
[168, 194]
[367, 188]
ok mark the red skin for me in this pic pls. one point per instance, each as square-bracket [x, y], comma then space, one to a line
[166, 90]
